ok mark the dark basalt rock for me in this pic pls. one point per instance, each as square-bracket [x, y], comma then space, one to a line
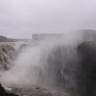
[4, 93]
[87, 78]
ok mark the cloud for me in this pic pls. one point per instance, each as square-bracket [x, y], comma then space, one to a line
[21, 18]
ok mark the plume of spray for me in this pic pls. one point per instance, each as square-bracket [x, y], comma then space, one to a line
[50, 62]
[33, 59]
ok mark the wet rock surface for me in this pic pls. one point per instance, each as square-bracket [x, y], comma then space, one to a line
[7, 55]
[87, 78]
[4, 93]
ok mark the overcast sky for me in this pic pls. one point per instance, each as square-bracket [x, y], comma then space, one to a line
[21, 18]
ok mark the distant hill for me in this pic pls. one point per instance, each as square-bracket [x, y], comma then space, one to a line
[5, 39]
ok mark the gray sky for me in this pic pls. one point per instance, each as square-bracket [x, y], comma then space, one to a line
[21, 18]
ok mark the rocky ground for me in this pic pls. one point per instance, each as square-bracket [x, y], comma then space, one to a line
[39, 91]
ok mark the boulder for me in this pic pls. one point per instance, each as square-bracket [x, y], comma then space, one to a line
[4, 93]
